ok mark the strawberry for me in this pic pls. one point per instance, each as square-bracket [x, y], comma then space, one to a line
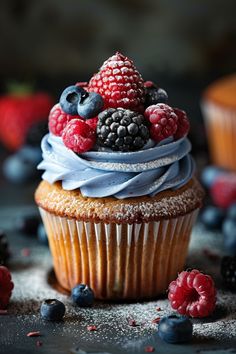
[18, 113]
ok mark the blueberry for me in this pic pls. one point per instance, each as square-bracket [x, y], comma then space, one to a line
[175, 329]
[231, 212]
[90, 106]
[209, 175]
[42, 235]
[30, 153]
[20, 168]
[212, 217]
[52, 310]
[27, 224]
[82, 295]
[229, 232]
[70, 97]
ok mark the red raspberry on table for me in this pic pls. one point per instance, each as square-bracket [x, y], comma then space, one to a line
[183, 125]
[119, 83]
[78, 136]
[58, 119]
[6, 286]
[163, 121]
[193, 294]
[223, 190]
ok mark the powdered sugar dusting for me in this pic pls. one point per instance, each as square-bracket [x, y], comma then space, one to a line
[112, 319]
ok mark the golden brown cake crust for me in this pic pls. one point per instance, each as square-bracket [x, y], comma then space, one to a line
[222, 92]
[165, 205]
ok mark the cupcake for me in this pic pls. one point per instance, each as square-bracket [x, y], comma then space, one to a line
[219, 110]
[118, 197]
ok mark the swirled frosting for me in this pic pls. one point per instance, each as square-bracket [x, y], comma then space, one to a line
[103, 173]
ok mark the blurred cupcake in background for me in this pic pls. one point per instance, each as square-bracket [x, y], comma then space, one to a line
[219, 111]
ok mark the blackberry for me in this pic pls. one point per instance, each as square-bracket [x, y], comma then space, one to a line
[122, 129]
[4, 251]
[154, 94]
[228, 271]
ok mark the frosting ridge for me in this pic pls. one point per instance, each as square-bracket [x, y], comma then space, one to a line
[166, 165]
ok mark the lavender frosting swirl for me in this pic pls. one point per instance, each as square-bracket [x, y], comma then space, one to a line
[166, 165]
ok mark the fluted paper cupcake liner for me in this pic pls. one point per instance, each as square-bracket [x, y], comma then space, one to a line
[221, 131]
[118, 261]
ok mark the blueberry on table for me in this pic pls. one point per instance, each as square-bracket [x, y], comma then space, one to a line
[229, 232]
[52, 310]
[90, 106]
[27, 224]
[175, 329]
[82, 295]
[42, 235]
[228, 271]
[70, 97]
[209, 175]
[231, 212]
[212, 217]
[21, 167]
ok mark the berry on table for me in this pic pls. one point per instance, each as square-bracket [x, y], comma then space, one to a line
[58, 119]
[163, 121]
[183, 125]
[154, 94]
[228, 271]
[122, 129]
[4, 251]
[27, 224]
[175, 329]
[52, 310]
[20, 167]
[212, 217]
[82, 295]
[231, 212]
[119, 83]
[193, 294]
[209, 175]
[229, 232]
[70, 97]
[6, 287]
[42, 235]
[78, 136]
[89, 106]
[223, 190]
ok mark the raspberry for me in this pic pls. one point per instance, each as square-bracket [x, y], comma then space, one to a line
[92, 122]
[163, 119]
[6, 286]
[223, 190]
[83, 84]
[122, 129]
[183, 125]
[58, 119]
[119, 83]
[78, 136]
[193, 294]
[228, 271]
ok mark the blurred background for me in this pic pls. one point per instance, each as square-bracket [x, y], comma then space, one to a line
[181, 45]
